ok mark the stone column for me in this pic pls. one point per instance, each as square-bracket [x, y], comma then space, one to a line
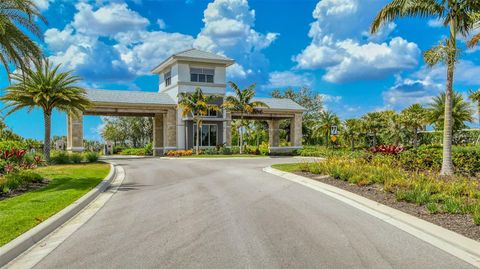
[170, 126]
[273, 133]
[227, 129]
[75, 133]
[296, 130]
[158, 135]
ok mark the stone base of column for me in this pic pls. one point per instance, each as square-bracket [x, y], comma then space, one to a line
[75, 149]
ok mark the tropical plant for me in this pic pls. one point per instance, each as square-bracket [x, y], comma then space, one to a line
[461, 16]
[351, 129]
[16, 47]
[414, 118]
[196, 104]
[373, 123]
[461, 111]
[475, 97]
[242, 102]
[48, 88]
[324, 125]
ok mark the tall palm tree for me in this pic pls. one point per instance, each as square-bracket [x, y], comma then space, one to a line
[197, 104]
[351, 129]
[414, 118]
[48, 88]
[16, 47]
[242, 102]
[461, 16]
[475, 97]
[461, 111]
[324, 125]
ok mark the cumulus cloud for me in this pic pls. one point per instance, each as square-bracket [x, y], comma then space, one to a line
[42, 4]
[352, 53]
[409, 91]
[279, 79]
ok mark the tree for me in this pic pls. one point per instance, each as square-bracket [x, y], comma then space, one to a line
[475, 97]
[461, 112]
[196, 104]
[461, 16]
[16, 47]
[48, 88]
[414, 118]
[242, 102]
[324, 125]
[351, 129]
[373, 123]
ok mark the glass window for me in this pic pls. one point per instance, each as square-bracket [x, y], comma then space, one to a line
[168, 78]
[212, 113]
[213, 135]
[208, 135]
[202, 75]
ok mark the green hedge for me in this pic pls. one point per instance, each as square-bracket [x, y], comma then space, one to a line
[64, 157]
[8, 145]
[463, 137]
[466, 160]
[134, 151]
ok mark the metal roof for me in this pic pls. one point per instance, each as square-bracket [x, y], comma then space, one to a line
[194, 55]
[281, 104]
[129, 97]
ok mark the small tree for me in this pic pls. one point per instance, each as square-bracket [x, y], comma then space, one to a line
[461, 112]
[475, 97]
[48, 88]
[323, 127]
[196, 104]
[242, 102]
[351, 129]
[414, 118]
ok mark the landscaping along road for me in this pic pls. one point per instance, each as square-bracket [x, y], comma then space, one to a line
[228, 213]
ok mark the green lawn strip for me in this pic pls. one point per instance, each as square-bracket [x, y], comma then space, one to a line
[288, 167]
[68, 183]
[225, 156]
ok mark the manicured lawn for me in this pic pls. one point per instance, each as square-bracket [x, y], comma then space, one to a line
[224, 156]
[288, 167]
[68, 183]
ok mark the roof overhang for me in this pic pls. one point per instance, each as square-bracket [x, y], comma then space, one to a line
[175, 58]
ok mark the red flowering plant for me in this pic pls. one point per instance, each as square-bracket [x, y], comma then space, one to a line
[387, 149]
[15, 159]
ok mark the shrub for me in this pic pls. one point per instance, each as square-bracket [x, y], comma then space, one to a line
[15, 180]
[225, 151]
[91, 156]
[118, 149]
[148, 149]
[385, 149]
[210, 151]
[179, 153]
[134, 151]
[8, 145]
[60, 157]
[76, 157]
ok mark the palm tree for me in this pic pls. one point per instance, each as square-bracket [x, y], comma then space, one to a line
[414, 118]
[373, 123]
[197, 104]
[351, 129]
[48, 88]
[324, 125]
[461, 111]
[475, 97]
[461, 16]
[16, 47]
[242, 102]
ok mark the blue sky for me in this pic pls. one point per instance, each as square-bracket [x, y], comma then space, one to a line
[112, 44]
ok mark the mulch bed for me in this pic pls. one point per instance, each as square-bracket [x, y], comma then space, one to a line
[462, 224]
[29, 187]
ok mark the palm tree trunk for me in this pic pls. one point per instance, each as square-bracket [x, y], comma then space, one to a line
[47, 116]
[353, 143]
[197, 146]
[415, 138]
[241, 134]
[447, 164]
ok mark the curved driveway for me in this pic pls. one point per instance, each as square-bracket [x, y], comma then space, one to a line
[230, 214]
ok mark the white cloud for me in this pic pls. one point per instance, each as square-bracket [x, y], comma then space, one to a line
[107, 20]
[42, 4]
[161, 24]
[435, 23]
[228, 30]
[288, 79]
[342, 51]
[409, 91]
[466, 72]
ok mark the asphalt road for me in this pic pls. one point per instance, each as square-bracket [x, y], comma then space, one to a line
[230, 214]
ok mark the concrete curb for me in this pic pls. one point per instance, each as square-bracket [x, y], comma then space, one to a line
[220, 158]
[20, 244]
[453, 243]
